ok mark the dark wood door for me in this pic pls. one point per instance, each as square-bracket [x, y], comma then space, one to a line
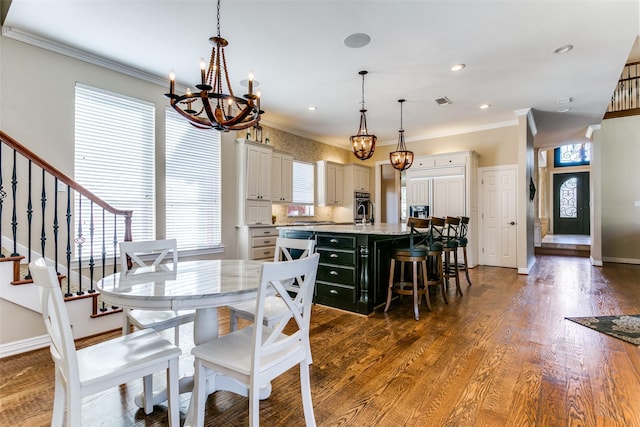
[571, 203]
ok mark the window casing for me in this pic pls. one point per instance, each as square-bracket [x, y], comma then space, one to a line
[193, 209]
[572, 155]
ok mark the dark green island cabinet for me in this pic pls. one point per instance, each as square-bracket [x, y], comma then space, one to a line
[354, 262]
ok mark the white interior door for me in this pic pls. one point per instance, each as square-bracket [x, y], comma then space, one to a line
[499, 217]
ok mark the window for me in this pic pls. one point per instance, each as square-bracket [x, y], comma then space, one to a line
[302, 190]
[114, 159]
[572, 155]
[192, 183]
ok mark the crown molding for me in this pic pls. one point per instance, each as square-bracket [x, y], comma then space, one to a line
[80, 55]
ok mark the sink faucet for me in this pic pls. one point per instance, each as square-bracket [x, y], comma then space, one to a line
[364, 217]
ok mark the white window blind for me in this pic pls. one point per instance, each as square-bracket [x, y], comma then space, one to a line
[302, 183]
[194, 214]
[114, 159]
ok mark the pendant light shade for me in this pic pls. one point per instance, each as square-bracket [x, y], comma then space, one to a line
[401, 158]
[363, 145]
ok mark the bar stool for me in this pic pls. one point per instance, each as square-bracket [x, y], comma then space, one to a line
[450, 246]
[416, 253]
[462, 242]
[434, 261]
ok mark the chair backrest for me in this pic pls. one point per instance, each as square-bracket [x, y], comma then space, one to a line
[464, 226]
[157, 251]
[437, 229]
[416, 237]
[273, 277]
[56, 320]
[453, 224]
[290, 249]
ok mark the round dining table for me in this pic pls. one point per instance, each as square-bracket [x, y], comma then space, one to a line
[201, 285]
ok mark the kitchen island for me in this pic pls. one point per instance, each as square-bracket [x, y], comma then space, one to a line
[353, 273]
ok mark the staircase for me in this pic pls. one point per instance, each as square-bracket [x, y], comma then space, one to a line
[44, 213]
[566, 245]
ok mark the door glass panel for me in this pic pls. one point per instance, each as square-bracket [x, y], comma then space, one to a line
[569, 198]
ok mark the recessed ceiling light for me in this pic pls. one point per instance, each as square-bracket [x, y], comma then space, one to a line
[563, 49]
[357, 40]
[485, 106]
[566, 100]
[457, 67]
[312, 108]
[563, 110]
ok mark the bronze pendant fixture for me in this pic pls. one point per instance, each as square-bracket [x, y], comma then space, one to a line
[402, 158]
[363, 145]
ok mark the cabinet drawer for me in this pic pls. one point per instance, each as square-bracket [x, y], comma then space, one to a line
[331, 273]
[263, 253]
[328, 256]
[335, 295]
[343, 242]
[456, 159]
[264, 231]
[257, 242]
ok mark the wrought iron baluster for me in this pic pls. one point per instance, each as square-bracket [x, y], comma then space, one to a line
[104, 254]
[79, 241]
[56, 226]
[68, 215]
[43, 203]
[115, 242]
[14, 214]
[29, 219]
[3, 195]
[91, 260]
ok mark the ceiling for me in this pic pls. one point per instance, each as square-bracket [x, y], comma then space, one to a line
[297, 53]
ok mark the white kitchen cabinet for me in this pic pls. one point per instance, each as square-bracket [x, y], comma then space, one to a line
[281, 177]
[356, 178]
[257, 242]
[330, 183]
[257, 212]
[448, 196]
[258, 171]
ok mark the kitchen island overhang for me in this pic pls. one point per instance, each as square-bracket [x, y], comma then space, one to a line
[353, 274]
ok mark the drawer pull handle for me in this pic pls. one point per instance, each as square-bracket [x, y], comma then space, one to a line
[333, 241]
[266, 252]
[333, 291]
[266, 241]
[333, 256]
[333, 273]
[266, 232]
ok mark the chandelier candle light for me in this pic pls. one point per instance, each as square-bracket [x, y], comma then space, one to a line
[206, 109]
[402, 158]
[363, 145]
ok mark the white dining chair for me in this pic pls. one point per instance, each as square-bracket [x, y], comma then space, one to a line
[257, 354]
[153, 252]
[274, 307]
[83, 372]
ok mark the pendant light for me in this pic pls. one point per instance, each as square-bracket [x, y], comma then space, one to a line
[363, 145]
[402, 158]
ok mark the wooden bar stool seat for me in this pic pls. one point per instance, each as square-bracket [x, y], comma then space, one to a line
[416, 254]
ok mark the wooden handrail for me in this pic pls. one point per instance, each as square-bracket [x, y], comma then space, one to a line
[30, 155]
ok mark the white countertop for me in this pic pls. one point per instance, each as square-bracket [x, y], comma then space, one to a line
[379, 229]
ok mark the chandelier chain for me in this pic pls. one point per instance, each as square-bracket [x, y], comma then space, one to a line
[218, 18]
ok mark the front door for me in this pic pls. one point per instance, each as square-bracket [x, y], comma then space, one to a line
[571, 203]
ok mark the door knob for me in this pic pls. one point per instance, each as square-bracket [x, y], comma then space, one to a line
[512, 223]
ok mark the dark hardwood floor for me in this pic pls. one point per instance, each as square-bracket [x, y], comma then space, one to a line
[502, 355]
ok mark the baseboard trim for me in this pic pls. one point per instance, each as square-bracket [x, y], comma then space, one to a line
[621, 260]
[22, 346]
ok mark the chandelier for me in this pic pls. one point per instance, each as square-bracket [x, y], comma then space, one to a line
[363, 145]
[210, 107]
[402, 158]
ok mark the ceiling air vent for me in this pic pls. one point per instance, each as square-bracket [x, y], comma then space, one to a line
[443, 101]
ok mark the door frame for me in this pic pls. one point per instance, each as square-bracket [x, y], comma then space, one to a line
[481, 207]
[551, 205]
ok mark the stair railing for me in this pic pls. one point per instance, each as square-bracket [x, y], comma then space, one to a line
[625, 100]
[94, 235]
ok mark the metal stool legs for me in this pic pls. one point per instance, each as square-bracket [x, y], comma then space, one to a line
[451, 269]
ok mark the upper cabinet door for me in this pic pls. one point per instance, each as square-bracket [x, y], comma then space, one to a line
[281, 178]
[258, 173]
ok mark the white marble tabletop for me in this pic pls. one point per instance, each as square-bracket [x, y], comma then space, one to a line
[192, 284]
